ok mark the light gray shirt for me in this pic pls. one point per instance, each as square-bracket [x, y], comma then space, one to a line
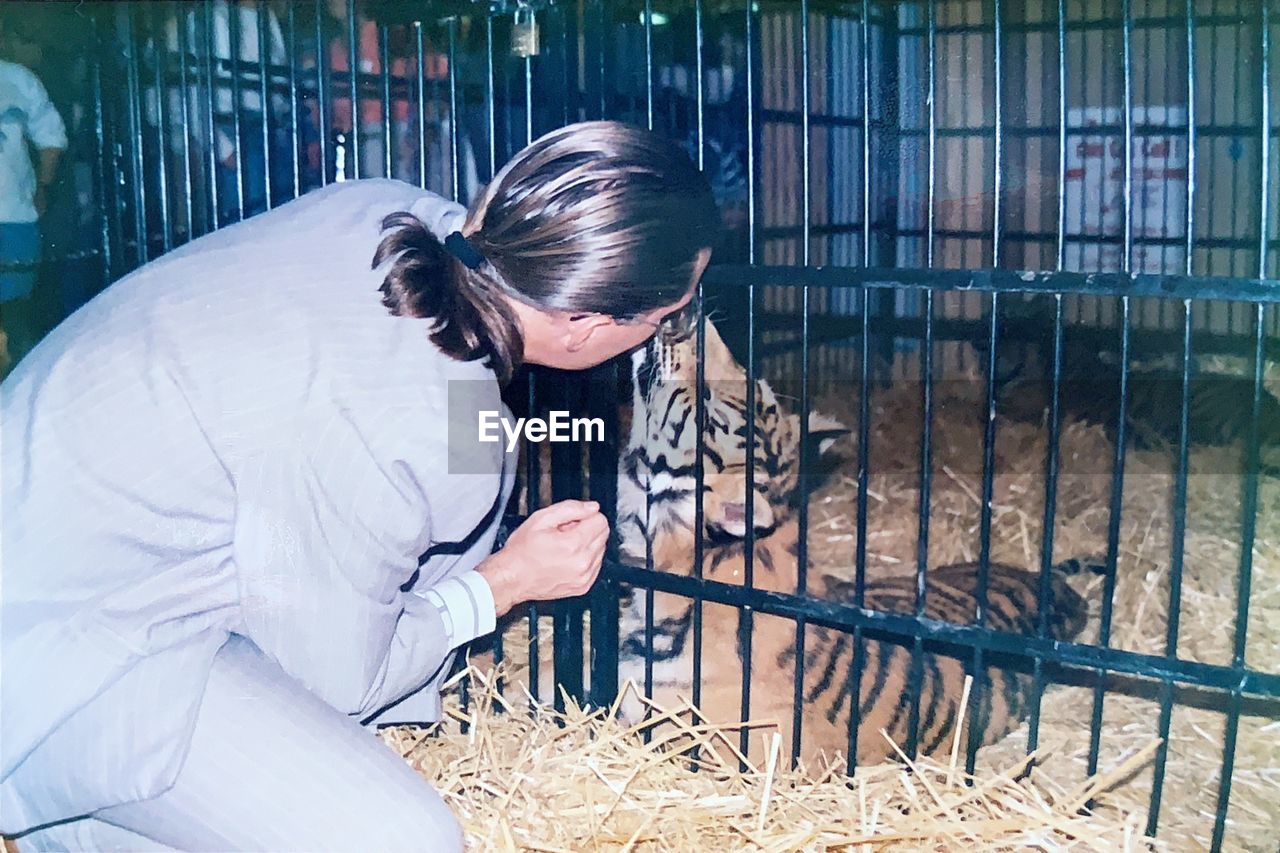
[237, 437]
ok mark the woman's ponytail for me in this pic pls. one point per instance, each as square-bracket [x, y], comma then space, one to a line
[471, 317]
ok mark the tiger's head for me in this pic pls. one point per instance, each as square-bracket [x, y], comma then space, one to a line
[658, 480]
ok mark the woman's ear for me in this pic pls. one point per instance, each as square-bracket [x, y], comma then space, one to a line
[580, 327]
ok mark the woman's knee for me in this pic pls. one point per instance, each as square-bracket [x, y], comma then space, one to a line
[412, 818]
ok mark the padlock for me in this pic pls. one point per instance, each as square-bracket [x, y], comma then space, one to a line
[524, 33]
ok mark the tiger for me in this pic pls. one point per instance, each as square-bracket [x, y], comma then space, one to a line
[1219, 405]
[656, 516]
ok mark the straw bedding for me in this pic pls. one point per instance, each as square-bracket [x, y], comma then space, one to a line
[579, 781]
[1139, 623]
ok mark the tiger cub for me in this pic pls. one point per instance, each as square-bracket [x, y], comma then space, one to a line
[656, 507]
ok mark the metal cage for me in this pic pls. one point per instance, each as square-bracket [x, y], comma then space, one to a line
[900, 181]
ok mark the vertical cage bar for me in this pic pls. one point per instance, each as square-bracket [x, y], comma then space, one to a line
[1062, 137]
[932, 118]
[454, 114]
[748, 553]
[998, 144]
[603, 28]
[295, 106]
[353, 87]
[135, 136]
[265, 104]
[1050, 509]
[648, 61]
[700, 419]
[853, 683]
[802, 544]
[490, 100]
[922, 529]
[211, 117]
[187, 53]
[234, 52]
[1177, 550]
[1126, 55]
[603, 402]
[865, 31]
[1113, 531]
[1244, 589]
[162, 137]
[528, 100]
[1191, 140]
[1264, 110]
[420, 98]
[533, 482]
[108, 209]
[322, 92]
[984, 537]
[384, 80]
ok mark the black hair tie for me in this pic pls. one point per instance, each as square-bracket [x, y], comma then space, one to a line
[460, 247]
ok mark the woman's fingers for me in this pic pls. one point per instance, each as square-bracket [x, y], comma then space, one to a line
[565, 513]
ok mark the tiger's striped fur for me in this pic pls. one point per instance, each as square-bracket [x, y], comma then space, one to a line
[1219, 405]
[656, 511]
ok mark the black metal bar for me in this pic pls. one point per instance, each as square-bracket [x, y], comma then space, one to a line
[490, 101]
[700, 426]
[1177, 552]
[1050, 513]
[211, 117]
[353, 87]
[159, 51]
[420, 96]
[998, 161]
[135, 133]
[1127, 60]
[1244, 588]
[745, 621]
[984, 535]
[603, 403]
[1264, 77]
[901, 626]
[1101, 23]
[1010, 235]
[108, 210]
[1113, 532]
[860, 546]
[454, 112]
[932, 129]
[263, 49]
[295, 106]
[1200, 288]
[322, 92]
[384, 78]
[922, 528]
[648, 62]
[865, 30]
[528, 100]
[565, 393]
[533, 482]
[802, 543]
[233, 64]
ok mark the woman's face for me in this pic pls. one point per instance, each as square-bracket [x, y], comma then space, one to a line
[578, 341]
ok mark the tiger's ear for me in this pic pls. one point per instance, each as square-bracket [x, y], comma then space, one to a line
[824, 432]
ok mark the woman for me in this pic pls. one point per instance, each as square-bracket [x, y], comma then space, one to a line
[219, 475]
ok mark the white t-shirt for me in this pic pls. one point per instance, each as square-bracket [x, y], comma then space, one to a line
[25, 115]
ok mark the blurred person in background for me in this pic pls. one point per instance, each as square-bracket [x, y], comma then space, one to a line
[28, 120]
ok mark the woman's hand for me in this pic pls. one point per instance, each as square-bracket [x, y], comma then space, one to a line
[556, 553]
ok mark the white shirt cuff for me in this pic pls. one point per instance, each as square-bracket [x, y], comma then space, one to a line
[466, 605]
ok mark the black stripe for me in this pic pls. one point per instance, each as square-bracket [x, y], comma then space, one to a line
[833, 651]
